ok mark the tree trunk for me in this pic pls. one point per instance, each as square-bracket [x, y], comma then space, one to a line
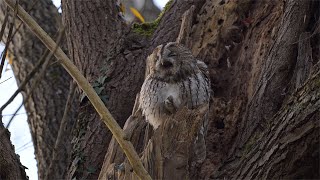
[46, 106]
[263, 62]
[10, 166]
[289, 148]
[225, 35]
[103, 46]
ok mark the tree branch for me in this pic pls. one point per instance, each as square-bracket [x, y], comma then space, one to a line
[36, 81]
[87, 88]
[25, 81]
[4, 53]
[3, 27]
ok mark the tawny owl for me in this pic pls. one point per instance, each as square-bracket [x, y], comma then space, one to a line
[174, 78]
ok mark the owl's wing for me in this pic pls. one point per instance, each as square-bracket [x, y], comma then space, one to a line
[203, 68]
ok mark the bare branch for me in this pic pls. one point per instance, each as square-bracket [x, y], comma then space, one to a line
[37, 80]
[4, 53]
[87, 88]
[23, 84]
[3, 27]
[14, 114]
[6, 80]
[19, 26]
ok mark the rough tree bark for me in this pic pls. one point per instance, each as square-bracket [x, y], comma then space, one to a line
[10, 166]
[103, 46]
[250, 86]
[46, 106]
[264, 117]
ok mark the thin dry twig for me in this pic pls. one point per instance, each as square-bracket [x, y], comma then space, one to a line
[19, 26]
[83, 83]
[31, 74]
[20, 150]
[13, 114]
[16, 30]
[5, 80]
[11, 119]
[23, 146]
[36, 81]
[4, 53]
[3, 27]
[26, 80]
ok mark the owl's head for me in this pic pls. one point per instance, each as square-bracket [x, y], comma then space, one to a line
[172, 62]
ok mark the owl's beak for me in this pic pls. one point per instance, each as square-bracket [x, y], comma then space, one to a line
[166, 63]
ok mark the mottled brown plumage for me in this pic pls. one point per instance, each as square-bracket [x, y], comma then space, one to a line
[174, 78]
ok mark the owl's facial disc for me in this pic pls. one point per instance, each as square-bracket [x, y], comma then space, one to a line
[166, 68]
[166, 64]
[167, 59]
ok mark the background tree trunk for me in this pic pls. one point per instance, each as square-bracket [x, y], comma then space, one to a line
[226, 36]
[46, 106]
[259, 58]
[103, 46]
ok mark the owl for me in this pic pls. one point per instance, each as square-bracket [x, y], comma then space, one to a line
[175, 78]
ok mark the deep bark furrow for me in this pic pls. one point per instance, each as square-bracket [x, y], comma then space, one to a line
[298, 126]
[277, 69]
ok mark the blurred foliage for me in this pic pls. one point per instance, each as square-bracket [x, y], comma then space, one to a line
[137, 14]
[143, 9]
[148, 28]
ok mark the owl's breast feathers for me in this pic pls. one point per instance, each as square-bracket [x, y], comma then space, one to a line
[158, 98]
